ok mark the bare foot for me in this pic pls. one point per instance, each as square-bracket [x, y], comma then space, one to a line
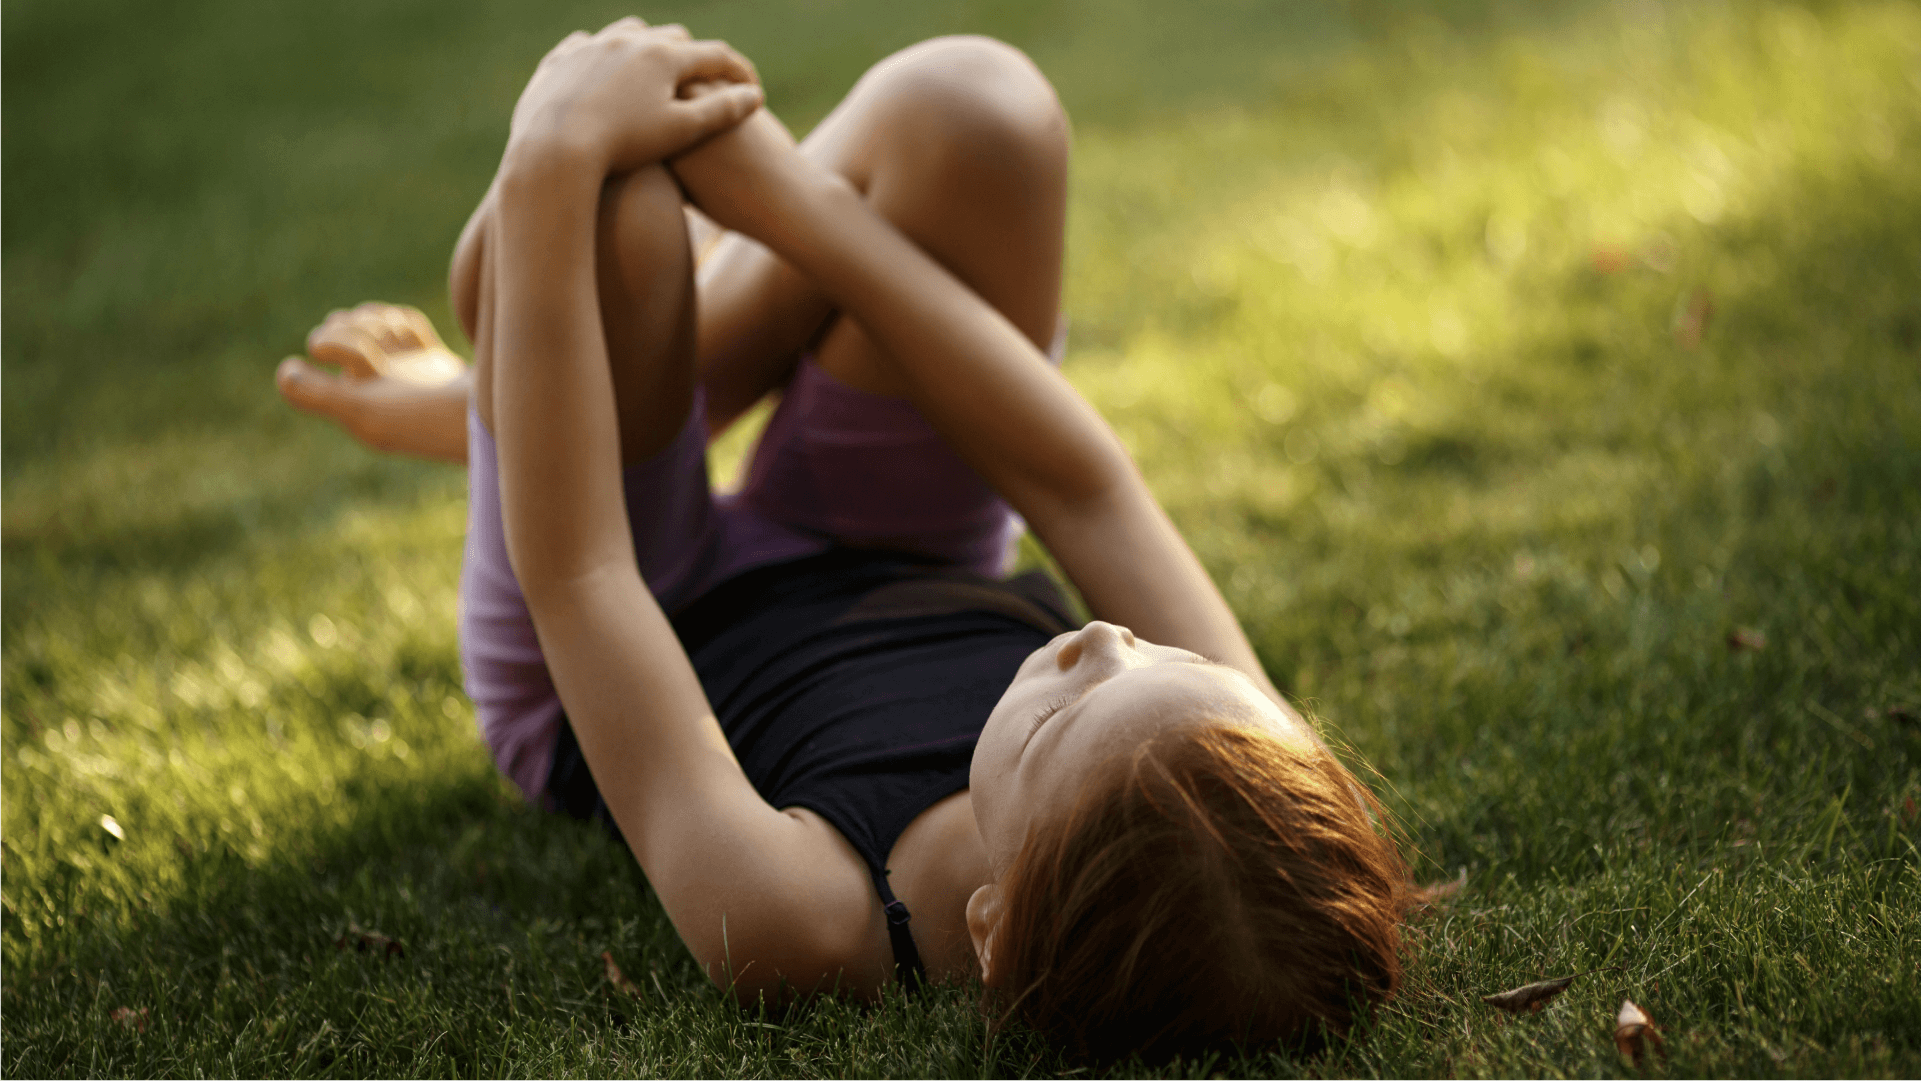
[389, 340]
[400, 389]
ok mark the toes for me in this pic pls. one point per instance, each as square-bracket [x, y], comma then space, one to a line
[396, 328]
[392, 329]
[419, 329]
[311, 390]
[346, 344]
[369, 339]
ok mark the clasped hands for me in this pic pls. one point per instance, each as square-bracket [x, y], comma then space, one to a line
[634, 95]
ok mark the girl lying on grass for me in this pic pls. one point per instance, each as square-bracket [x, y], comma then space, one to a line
[811, 707]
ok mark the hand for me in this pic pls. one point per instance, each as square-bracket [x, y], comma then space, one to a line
[613, 96]
[736, 176]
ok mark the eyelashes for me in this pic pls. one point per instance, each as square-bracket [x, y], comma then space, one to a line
[1053, 706]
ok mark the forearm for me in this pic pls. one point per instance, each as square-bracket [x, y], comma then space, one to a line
[1011, 415]
[1133, 568]
[1032, 436]
[552, 392]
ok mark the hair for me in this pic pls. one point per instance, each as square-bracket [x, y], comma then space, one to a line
[1217, 886]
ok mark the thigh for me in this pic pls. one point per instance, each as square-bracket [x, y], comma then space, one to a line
[962, 144]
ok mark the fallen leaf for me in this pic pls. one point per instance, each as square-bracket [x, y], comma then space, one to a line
[1892, 713]
[1435, 892]
[369, 941]
[1635, 1033]
[1531, 998]
[618, 978]
[1609, 259]
[133, 1019]
[1747, 638]
[1691, 321]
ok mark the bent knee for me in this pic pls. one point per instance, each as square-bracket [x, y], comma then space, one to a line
[640, 215]
[971, 105]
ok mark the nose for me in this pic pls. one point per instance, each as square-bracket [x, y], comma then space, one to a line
[1097, 640]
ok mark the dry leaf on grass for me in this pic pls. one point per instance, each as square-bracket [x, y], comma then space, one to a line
[1691, 321]
[618, 978]
[369, 942]
[130, 1018]
[1892, 713]
[1635, 1033]
[1610, 259]
[1531, 998]
[1435, 892]
[1748, 638]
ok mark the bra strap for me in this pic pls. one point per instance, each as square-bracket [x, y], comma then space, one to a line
[908, 970]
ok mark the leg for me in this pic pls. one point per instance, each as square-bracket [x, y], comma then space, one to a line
[399, 391]
[961, 143]
[644, 274]
[645, 271]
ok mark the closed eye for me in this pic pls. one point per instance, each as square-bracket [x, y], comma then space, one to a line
[1054, 705]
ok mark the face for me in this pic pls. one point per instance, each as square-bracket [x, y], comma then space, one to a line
[1081, 700]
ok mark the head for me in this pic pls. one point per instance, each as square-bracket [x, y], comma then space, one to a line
[1178, 861]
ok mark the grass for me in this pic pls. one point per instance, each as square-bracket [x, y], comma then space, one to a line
[1504, 364]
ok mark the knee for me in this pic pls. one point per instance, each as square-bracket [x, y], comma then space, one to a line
[640, 229]
[973, 109]
[641, 232]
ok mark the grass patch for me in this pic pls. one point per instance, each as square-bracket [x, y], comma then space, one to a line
[1501, 361]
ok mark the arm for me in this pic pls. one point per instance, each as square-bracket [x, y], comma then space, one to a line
[984, 387]
[756, 894]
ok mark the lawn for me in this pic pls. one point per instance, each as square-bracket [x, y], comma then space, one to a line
[1541, 382]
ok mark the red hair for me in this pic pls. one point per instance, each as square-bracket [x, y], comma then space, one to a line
[1216, 885]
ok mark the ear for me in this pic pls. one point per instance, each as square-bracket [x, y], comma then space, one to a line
[983, 922]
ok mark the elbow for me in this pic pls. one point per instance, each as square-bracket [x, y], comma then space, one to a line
[779, 962]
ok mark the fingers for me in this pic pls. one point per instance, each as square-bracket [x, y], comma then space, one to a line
[635, 24]
[706, 60]
[718, 108]
[566, 45]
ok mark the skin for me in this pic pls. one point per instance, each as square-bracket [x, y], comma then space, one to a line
[926, 275]
[1074, 707]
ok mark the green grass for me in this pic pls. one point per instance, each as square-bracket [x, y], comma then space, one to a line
[1392, 306]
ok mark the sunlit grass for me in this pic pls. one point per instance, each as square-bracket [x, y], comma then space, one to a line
[1500, 366]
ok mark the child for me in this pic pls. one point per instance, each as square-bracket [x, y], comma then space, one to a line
[843, 750]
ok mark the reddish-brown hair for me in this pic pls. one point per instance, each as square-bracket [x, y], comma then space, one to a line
[1216, 885]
